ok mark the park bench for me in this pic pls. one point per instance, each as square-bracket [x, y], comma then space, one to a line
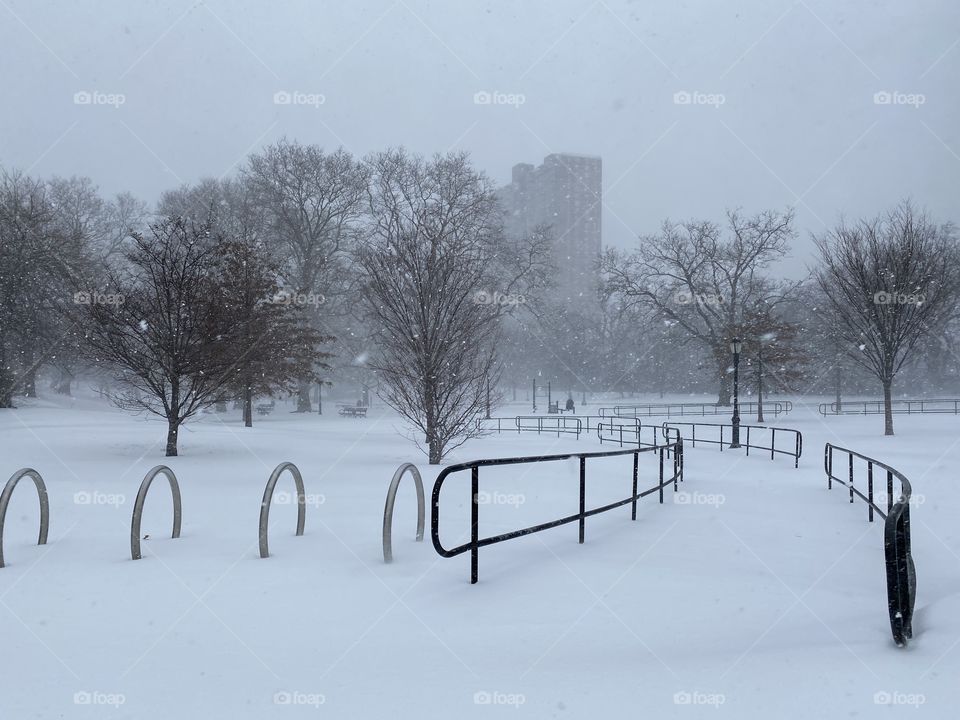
[265, 408]
[352, 410]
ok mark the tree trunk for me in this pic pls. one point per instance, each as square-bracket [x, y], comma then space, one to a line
[723, 395]
[303, 397]
[888, 407]
[6, 380]
[839, 379]
[173, 430]
[247, 405]
[436, 451]
[173, 417]
[30, 378]
[64, 382]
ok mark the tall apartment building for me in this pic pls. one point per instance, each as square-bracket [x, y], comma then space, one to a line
[566, 193]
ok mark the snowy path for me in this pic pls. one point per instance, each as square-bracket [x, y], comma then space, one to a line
[762, 587]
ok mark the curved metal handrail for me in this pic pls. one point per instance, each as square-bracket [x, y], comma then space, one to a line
[476, 542]
[268, 499]
[795, 453]
[900, 570]
[923, 406]
[568, 424]
[391, 500]
[138, 507]
[777, 407]
[44, 504]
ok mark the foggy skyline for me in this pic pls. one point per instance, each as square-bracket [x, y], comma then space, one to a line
[693, 107]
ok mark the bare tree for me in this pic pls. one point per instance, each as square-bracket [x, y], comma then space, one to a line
[30, 255]
[888, 282]
[689, 275]
[162, 326]
[312, 201]
[437, 284]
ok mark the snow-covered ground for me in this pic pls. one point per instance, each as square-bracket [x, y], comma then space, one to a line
[761, 595]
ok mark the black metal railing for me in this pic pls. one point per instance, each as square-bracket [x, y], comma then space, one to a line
[588, 423]
[777, 407]
[559, 424]
[751, 437]
[476, 542]
[901, 573]
[942, 406]
[618, 431]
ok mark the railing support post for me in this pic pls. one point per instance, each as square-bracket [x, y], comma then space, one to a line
[636, 461]
[661, 476]
[870, 491]
[889, 491]
[474, 523]
[583, 495]
[851, 478]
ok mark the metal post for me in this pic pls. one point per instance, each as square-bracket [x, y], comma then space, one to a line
[828, 451]
[549, 396]
[760, 384]
[850, 478]
[583, 495]
[661, 476]
[870, 490]
[474, 522]
[889, 491]
[633, 514]
[735, 442]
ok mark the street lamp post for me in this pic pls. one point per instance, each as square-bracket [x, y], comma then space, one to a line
[488, 398]
[735, 347]
[760, 383]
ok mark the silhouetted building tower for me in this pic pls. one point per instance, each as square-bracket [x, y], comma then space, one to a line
[565, 193]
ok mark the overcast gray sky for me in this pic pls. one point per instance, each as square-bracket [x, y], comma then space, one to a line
[694, 106]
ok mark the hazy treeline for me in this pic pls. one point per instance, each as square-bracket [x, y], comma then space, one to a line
[394, 272]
